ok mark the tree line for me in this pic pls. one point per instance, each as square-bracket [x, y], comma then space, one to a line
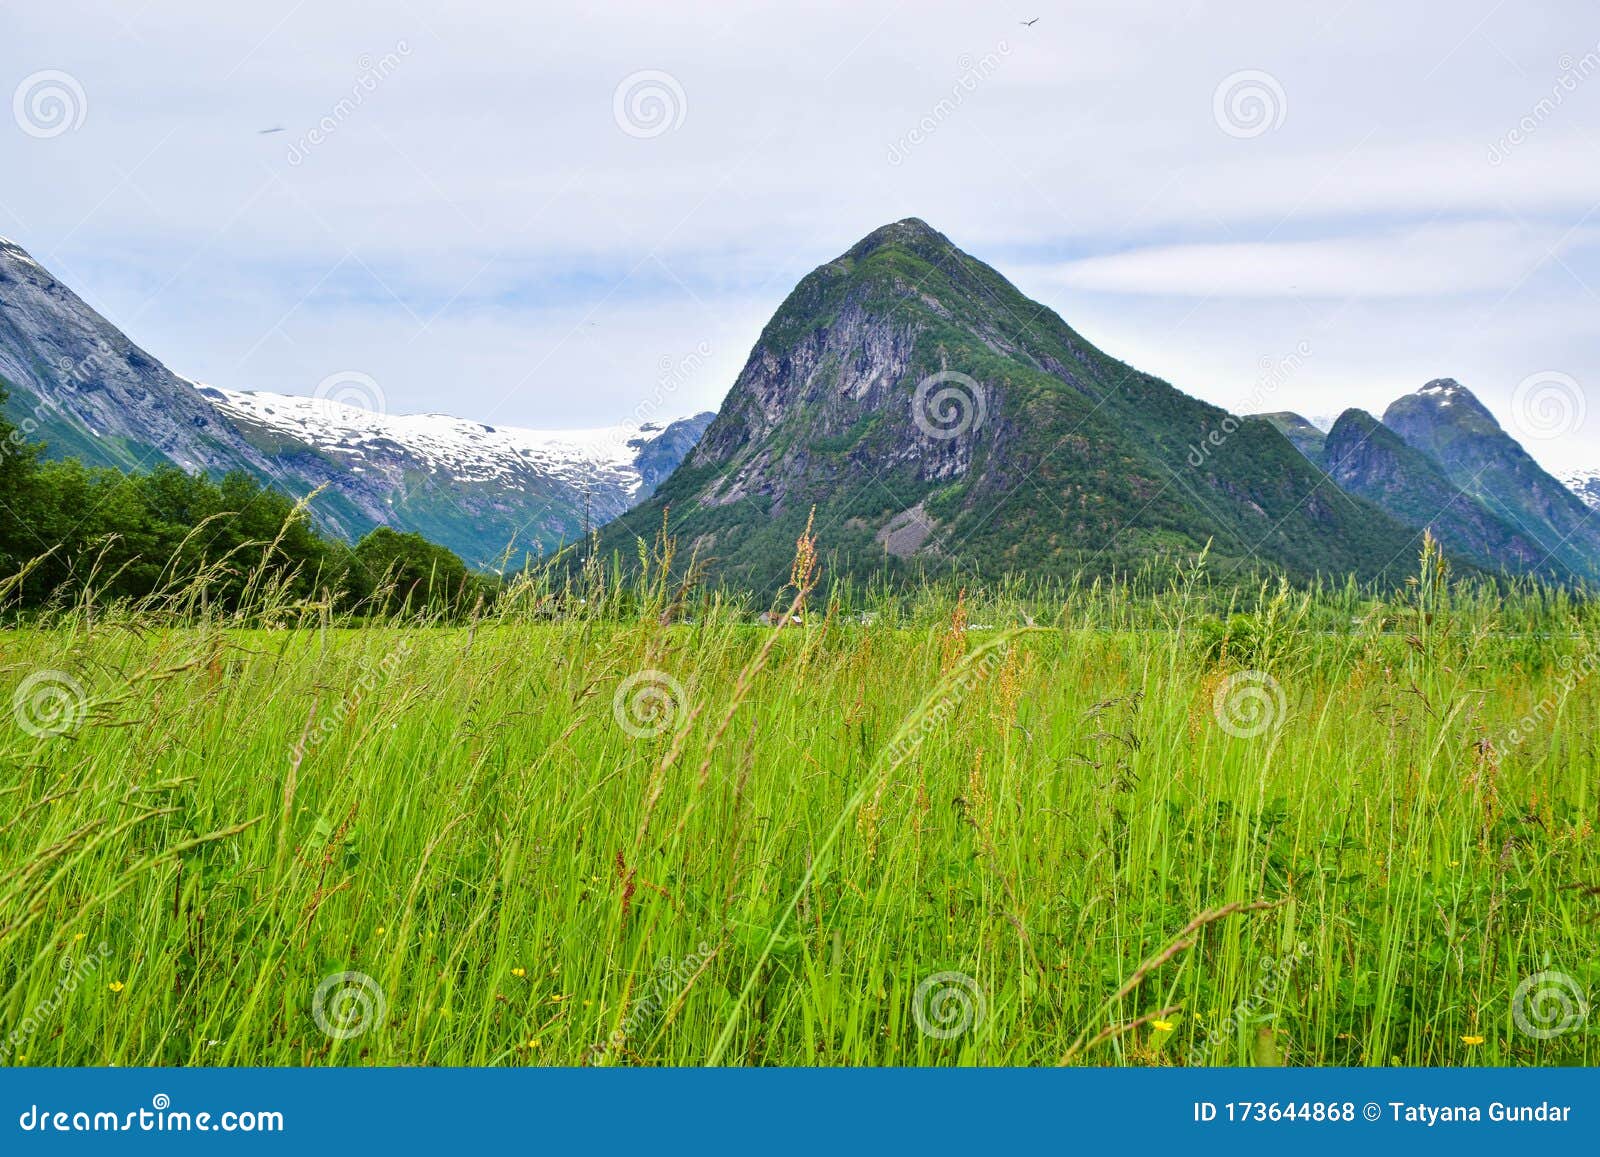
[67, 529]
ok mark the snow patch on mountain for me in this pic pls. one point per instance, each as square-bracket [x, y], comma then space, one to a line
[464, 450]
[1585, 484]
[1445, 390]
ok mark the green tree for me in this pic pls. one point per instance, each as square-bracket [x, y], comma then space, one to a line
[413, 573]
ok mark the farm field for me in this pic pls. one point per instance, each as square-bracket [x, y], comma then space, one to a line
[943, 829]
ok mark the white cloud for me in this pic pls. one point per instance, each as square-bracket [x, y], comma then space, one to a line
[1424, 261]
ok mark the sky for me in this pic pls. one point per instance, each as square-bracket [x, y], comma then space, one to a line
[563, 216]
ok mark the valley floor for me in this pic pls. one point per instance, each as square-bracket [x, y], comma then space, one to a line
[903, 843]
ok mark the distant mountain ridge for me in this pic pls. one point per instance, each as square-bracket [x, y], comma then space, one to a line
[1303, 434]
[1447, 422]
[462, 483]
[80, 385]
[1439, 460]
[1367, 458]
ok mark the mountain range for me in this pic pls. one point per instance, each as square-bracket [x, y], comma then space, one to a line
[80, 385]
[1439, 459]
[933, 417]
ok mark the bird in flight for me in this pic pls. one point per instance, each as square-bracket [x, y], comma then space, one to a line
[264, 132]
[1029, 23]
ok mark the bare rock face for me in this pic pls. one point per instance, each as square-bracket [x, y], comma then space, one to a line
[76, 379]
[907, 532]
[80, 385]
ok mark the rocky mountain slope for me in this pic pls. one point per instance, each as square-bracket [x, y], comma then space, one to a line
[80, 385]
[933, 414]
[1368, 459]
[1446, 422]
[76, 379]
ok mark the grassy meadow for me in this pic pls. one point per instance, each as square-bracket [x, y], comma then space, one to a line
[1085, 825]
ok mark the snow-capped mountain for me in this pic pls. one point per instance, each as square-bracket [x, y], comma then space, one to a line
[610, 460]
[78, 384]
[477, 488]
[1585, 484]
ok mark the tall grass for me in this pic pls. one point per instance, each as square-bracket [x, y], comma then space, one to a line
[612, 820]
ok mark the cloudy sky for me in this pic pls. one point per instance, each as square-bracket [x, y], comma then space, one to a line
[544, 215]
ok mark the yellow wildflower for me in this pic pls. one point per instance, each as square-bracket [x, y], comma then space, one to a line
[116, 986]
[1161, 1025]
[519, 972]
[1472, 1040]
